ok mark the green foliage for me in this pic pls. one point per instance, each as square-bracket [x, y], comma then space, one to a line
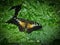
[43, 12]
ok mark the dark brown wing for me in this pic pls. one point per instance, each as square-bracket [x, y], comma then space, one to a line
[21, 28]
[29, 30]
[17, 9]
[29, 26]
[21, 25]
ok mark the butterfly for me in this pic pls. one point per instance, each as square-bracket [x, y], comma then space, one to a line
[23, 24]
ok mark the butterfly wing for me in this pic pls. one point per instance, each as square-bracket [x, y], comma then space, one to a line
[21, 25]
[31, 28]
[21, 28]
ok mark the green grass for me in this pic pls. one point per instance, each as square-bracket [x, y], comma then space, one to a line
[42, 12]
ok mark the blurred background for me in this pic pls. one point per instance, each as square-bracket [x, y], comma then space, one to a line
[45, 12]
